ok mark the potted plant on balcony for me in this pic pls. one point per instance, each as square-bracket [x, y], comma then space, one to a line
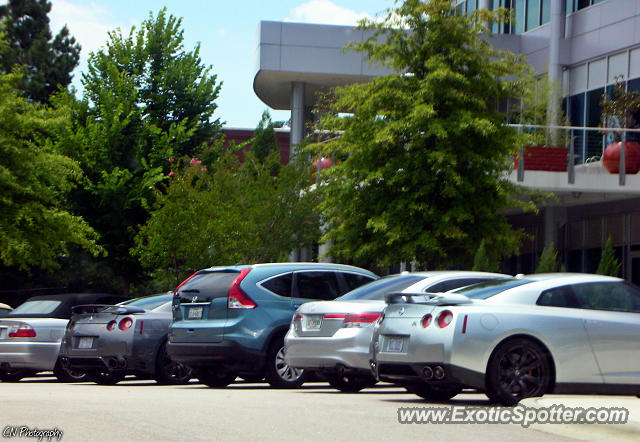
[621, 110]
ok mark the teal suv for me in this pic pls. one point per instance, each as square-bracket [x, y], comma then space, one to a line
[231, 321]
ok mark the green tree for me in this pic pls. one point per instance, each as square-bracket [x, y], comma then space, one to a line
[548, 262]
[47, 61]
[264, 138]
[609, 265]
[35, 227]
[422, 154]
[146, 100]
[232, 212]
[483, 261]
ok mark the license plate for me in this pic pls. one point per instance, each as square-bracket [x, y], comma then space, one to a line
[314, 322]
[85, 343]
[394, 344]
[195, 313]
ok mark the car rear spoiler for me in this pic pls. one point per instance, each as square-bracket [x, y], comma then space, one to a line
[427, 298]
[98, 308]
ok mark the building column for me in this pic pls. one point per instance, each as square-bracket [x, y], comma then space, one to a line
[558, 19]
[484, 4]
[297, 116]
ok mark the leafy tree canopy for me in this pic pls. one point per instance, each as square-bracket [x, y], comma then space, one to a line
[146, 100]
[609, 264]
[47, 61]
[421, 155]
[227, 213]
[35, 227]
[264, 138]
[548, 262]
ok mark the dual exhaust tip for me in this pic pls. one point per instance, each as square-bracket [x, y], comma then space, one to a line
[116, 363]
[437, 372]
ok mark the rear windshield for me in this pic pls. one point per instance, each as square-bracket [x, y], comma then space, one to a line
[36, 308]
[376, 290]
[488, 289]
[207, 286]
[149, 302]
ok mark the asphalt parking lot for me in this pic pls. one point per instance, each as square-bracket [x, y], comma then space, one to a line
[142, 410]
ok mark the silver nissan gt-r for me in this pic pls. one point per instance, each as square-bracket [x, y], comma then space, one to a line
[514, 338]
[109, 342]
[332, 338]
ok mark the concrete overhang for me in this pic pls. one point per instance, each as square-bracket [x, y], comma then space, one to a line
[308, 53]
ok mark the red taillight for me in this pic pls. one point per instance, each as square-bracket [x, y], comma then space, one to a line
[360, 319]
[238, 299]
[111, 326]
[445, 318]
[175, 292]
[125, 324]
[335, 316]
[464, 324]
[426, 321]
[141, 325]
[23, 331]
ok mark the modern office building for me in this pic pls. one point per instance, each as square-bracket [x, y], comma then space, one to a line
[583, 45]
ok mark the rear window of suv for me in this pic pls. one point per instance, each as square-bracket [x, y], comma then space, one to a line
[207, 286]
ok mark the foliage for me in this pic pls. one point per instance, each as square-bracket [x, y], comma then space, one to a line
[146, 100]
[264, 138]
[483, 261]
[622, 108]
[35, 227]
[46, 62]
[609, 265]
[230, 213]
[422, 154]
[548, 262]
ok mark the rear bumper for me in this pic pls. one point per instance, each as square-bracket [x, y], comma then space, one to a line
[349, 348]
[414, 372]
[229, 354]
[40, 356]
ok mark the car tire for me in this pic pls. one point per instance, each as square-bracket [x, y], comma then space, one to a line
[68, 375]
[438, 393]
[216, 378]
[105, 377]
[277, 373]
[170, 372]
[518, 368]
[12, 375]
[350, 383]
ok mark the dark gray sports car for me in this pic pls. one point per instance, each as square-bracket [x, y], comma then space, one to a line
[109, 342]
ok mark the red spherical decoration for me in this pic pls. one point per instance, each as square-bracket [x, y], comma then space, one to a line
[611, 157]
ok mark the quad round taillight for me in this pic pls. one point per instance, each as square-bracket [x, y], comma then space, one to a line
[445, 318]
[426, 321]
[125, 324]
[111, 326]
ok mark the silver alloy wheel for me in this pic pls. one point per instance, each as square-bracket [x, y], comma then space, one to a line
[287, 373]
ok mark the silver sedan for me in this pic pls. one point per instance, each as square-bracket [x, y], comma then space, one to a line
[515, 338]
[333, 337]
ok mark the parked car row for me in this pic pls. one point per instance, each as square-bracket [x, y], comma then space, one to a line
[435, 333]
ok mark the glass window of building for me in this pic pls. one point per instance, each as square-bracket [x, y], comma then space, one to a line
[533, 14]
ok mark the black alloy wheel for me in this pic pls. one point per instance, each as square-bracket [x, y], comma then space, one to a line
[68, 374]
[216, 378]
[518, 369]
[437, 393]
[170, 372]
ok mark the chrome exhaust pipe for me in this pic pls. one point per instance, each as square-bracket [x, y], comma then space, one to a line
[427, 372]
[438, 372]
[112, 363]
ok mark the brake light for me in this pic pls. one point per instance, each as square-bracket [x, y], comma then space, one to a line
[426, 321]
[141, 325]
[175, 292]
[360, 319]
[111, 326]
[335, 316]
[125, 324]
[238, 299]
[445, 318]
[464, 324]
[23, 331]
